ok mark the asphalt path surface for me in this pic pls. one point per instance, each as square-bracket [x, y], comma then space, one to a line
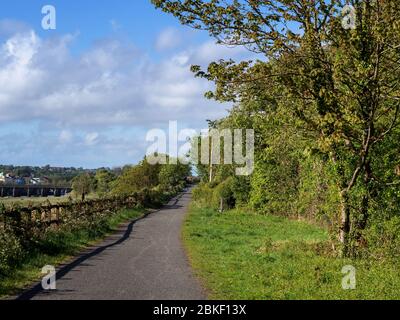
[143, 260]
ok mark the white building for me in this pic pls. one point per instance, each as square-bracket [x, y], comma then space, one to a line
[35, 181]
[6, 178]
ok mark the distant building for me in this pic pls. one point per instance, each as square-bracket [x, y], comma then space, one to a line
[7, 178]
[19, 181]
[11, 179]
[35, 181]
[45, 180]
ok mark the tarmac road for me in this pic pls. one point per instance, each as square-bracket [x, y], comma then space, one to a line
[143, 260]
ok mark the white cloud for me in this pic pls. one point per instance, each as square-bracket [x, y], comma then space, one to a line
[210, 51]
[65, 136]
[108, 87]
[168, 39]
[91, 138]
[110, 84]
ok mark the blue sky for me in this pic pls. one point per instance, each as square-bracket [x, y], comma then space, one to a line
[87, 93]
[136, 19]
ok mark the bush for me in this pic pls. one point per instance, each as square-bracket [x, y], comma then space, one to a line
[10, 251]
[241, 188]
[383, 239]
[134, 179]
[203, 194]
[211, 194]
[274, 187]
[224, 192]
[318, 195]
[171, 176]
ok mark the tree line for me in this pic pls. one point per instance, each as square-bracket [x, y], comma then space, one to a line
[324, 103]
[160, 177]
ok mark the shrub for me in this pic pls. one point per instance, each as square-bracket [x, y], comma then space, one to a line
[211, 194]
[224, 192]
[274, 186]
[134, 179]
[317, 191]
[203, 194]
[383, 239]
[241, 188]
[10, 250]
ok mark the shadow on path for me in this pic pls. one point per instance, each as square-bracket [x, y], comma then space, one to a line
[30, 293]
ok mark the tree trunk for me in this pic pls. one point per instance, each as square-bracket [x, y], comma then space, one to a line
[221, 205]
[344, 234]
[211, 160]
[365, 203]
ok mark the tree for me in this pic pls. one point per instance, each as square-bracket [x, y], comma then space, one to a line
[340, 84]
[104, 179]
[83, 185]
[172, 175]
[136, 178]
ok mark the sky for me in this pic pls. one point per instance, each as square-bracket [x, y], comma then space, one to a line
[87, 93]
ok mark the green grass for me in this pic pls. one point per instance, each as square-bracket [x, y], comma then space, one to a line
[57, 248]
[240, 255]
[26, 201]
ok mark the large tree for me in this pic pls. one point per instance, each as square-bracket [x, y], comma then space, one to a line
[104, 179]
[173, 174]
[340, 80]
[83, 185]
[133, 179]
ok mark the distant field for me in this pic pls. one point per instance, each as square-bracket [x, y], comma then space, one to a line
[25, 201]
[33, 200]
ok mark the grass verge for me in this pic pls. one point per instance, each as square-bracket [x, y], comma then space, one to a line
[57, 248]
[240, 255]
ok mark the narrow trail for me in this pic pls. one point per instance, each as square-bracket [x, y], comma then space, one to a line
[143, 260]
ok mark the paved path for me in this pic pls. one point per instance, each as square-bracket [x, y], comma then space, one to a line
[143, 260]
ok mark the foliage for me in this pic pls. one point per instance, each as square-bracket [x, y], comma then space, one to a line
[320, 88]
[104, 179]
[241, 189]
[383, 239]
[53, 248]
[243, 256]
[83, 184]
[136, 178]
[10, 250]
[203, 193]
[173, 174]
[47, 228]
[223, 197]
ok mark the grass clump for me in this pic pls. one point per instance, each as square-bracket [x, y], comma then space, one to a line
[240, 255]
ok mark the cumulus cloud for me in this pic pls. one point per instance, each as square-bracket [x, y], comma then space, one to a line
[112, 86]
[168, 39]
